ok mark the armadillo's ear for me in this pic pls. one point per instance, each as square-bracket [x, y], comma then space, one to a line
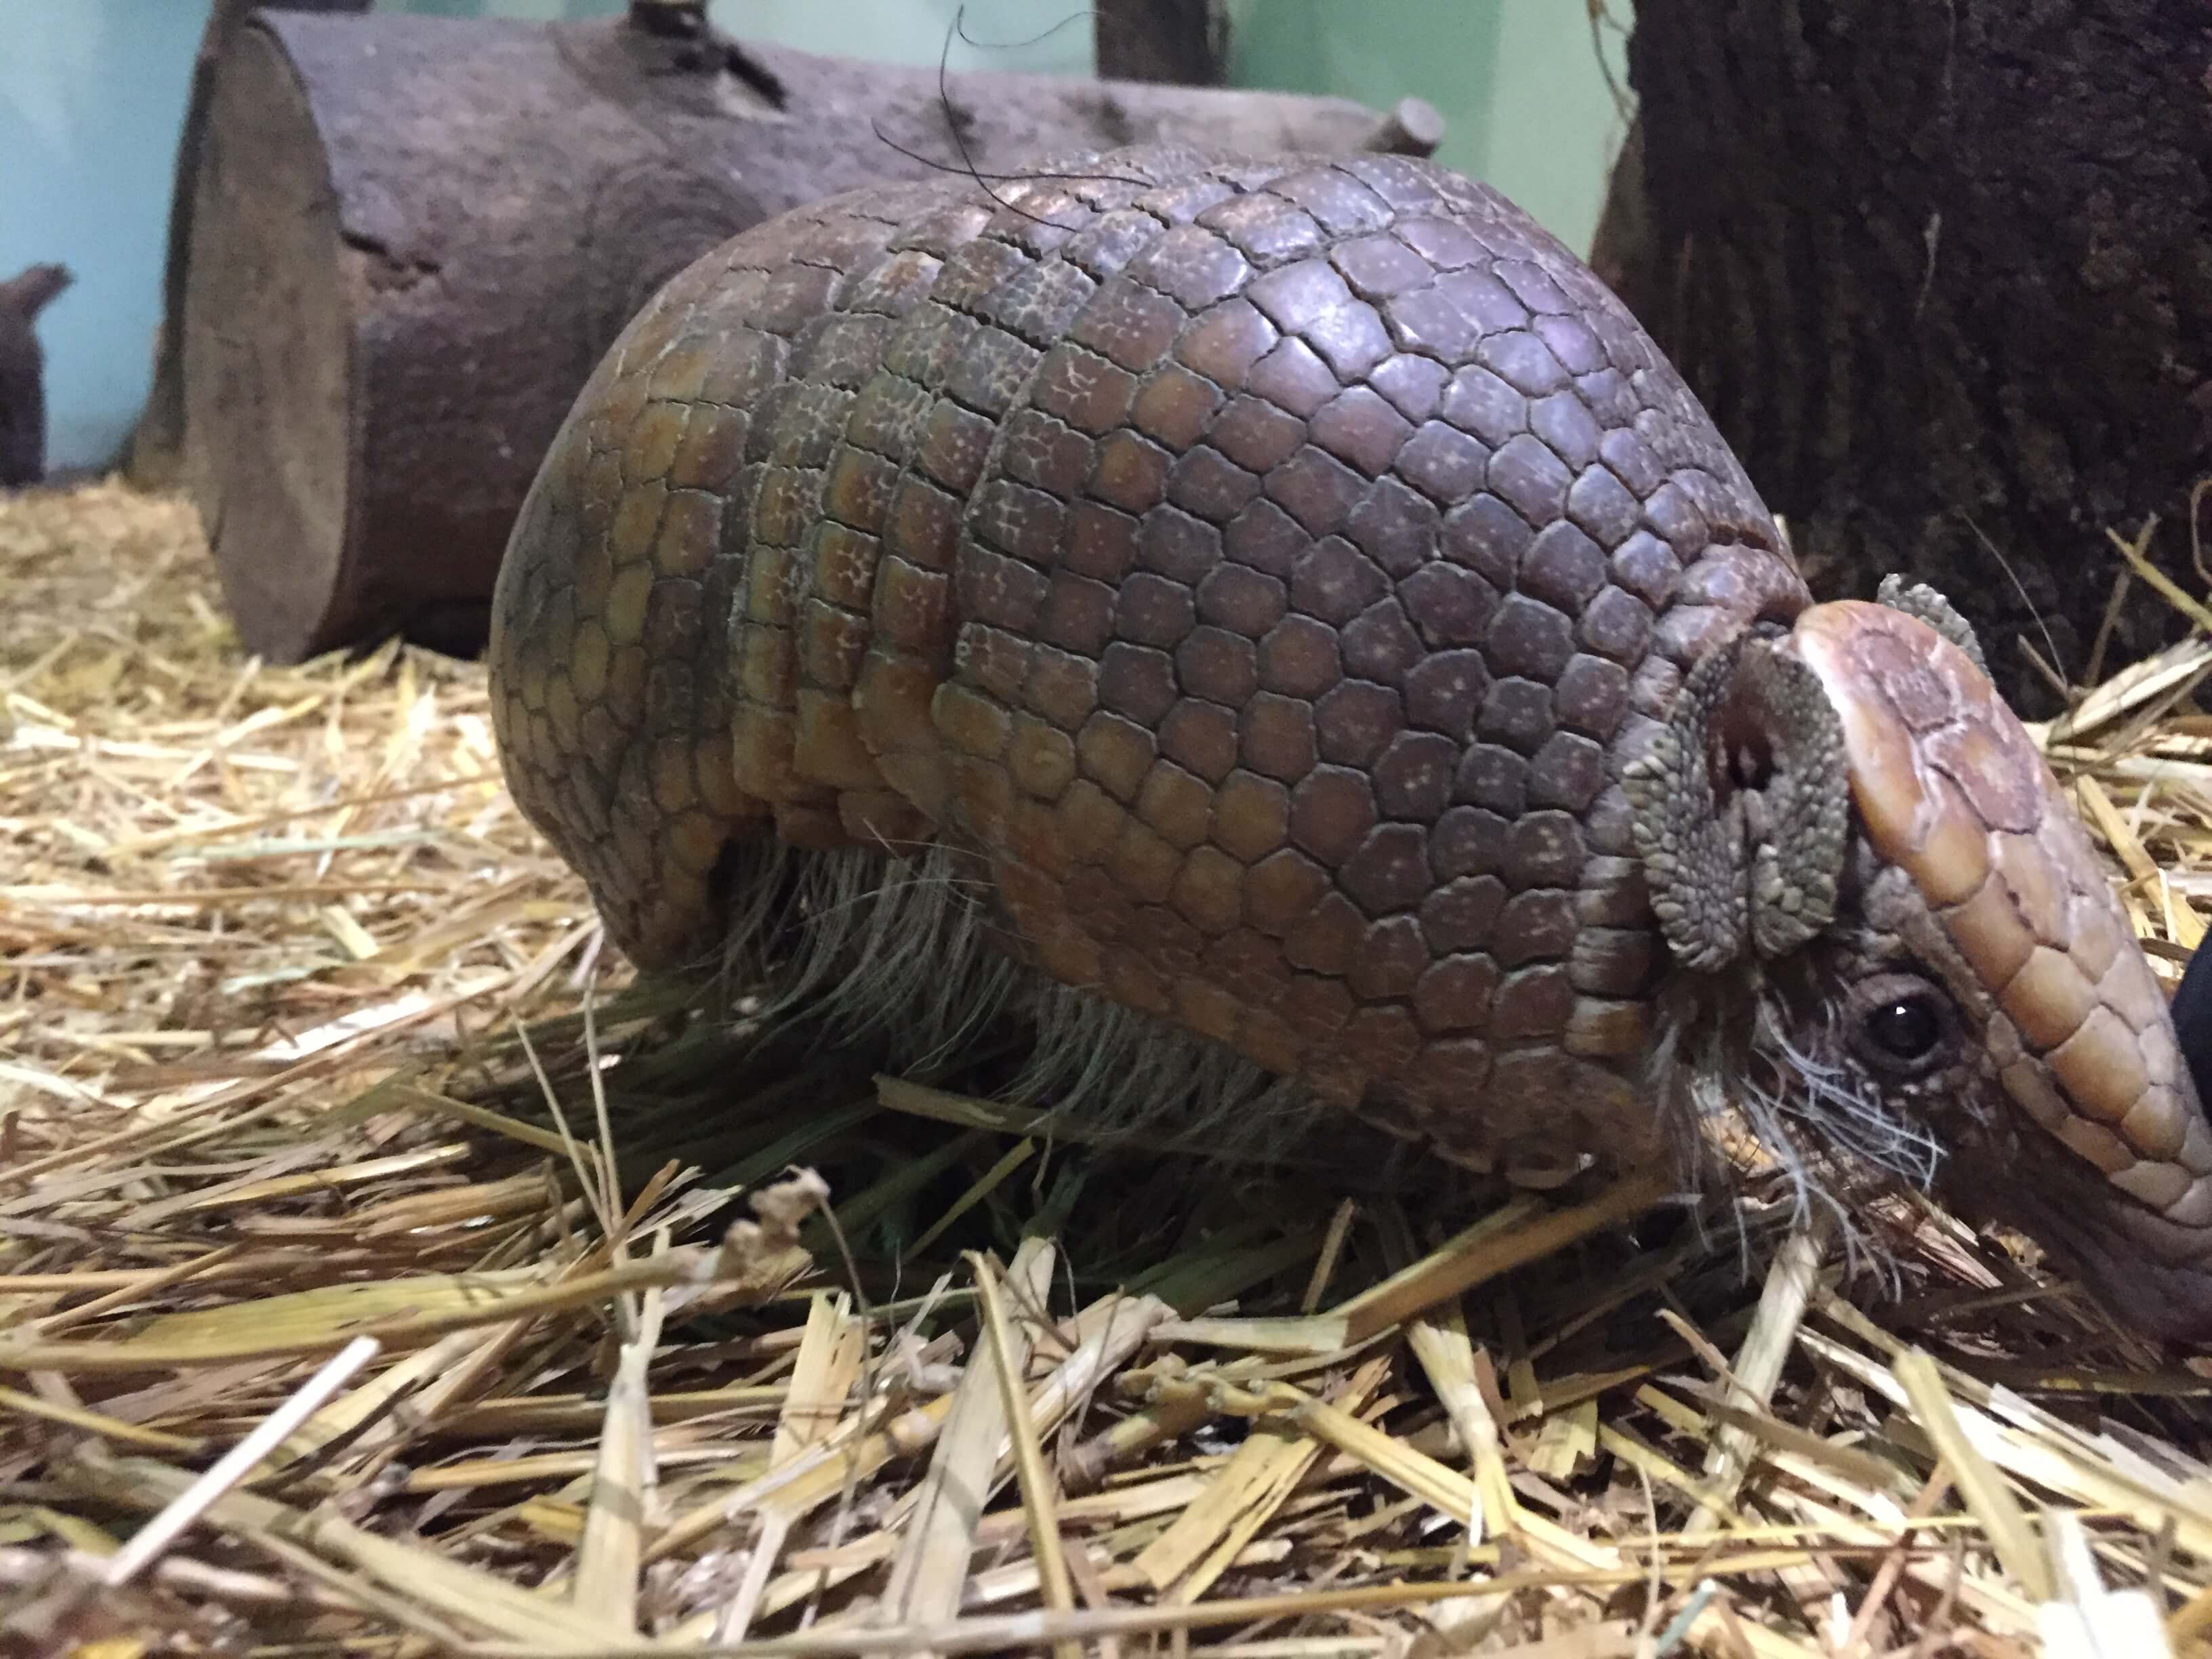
[1741, 808]
[1924, 602]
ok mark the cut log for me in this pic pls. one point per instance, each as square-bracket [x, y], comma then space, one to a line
[413, 237]
[150, 457]
[1943, 276]
[23, 373]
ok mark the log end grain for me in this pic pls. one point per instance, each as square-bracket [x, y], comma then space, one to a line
[271, 434]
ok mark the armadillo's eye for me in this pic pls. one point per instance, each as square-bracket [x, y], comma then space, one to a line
[1905, 1028]
[1901, 1025]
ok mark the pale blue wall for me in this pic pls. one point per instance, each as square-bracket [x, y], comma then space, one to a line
[1554, 119]
[92, 92]
[92, 96]
[1046, 37]
[1036, 37]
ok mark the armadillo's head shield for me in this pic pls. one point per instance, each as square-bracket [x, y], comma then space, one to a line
[1946, 968]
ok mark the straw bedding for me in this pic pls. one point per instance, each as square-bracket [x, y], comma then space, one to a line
[383, 1271]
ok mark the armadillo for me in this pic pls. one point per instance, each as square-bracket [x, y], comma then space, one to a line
[1283, 612]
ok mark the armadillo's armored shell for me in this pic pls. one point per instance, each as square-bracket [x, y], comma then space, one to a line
[1950, 788]
[1263, 568]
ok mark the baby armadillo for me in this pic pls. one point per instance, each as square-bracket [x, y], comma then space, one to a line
[1284, 608]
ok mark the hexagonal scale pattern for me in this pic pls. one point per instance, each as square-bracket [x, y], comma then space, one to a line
[1266, 566]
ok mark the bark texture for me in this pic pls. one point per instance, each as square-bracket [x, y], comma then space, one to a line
[22, 374]
[1182, 42]
[1943, 276]
[413, 237]
[150, 458]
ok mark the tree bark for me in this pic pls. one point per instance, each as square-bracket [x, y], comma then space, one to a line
[23, 373]
[1623, 235]
[1943, 276]
[1180, 42]
[412, 238]
[151, 455]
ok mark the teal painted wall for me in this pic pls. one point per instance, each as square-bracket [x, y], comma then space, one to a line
[92, 94]
[1557, 110]
[1036, 37]
[84, 178]
[1046, 37]
[1521, 84]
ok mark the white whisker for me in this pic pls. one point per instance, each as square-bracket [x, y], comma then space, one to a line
[904, 953]
[1829, 1133]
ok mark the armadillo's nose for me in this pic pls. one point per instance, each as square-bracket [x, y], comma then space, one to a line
[1949, 787]
[2163, 1285]
[2167, 1301]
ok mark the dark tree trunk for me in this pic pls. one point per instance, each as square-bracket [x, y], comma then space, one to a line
[1943, 275]
[151, 456]
[1181, 42]
[23, 373]
[412, 239]
[1623, 235]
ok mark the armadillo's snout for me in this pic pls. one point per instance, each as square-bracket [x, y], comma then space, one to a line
[2078, 1119]
[2153, 1265]
[2160, 1286]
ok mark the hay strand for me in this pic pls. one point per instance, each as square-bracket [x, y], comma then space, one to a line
[307, 1038]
